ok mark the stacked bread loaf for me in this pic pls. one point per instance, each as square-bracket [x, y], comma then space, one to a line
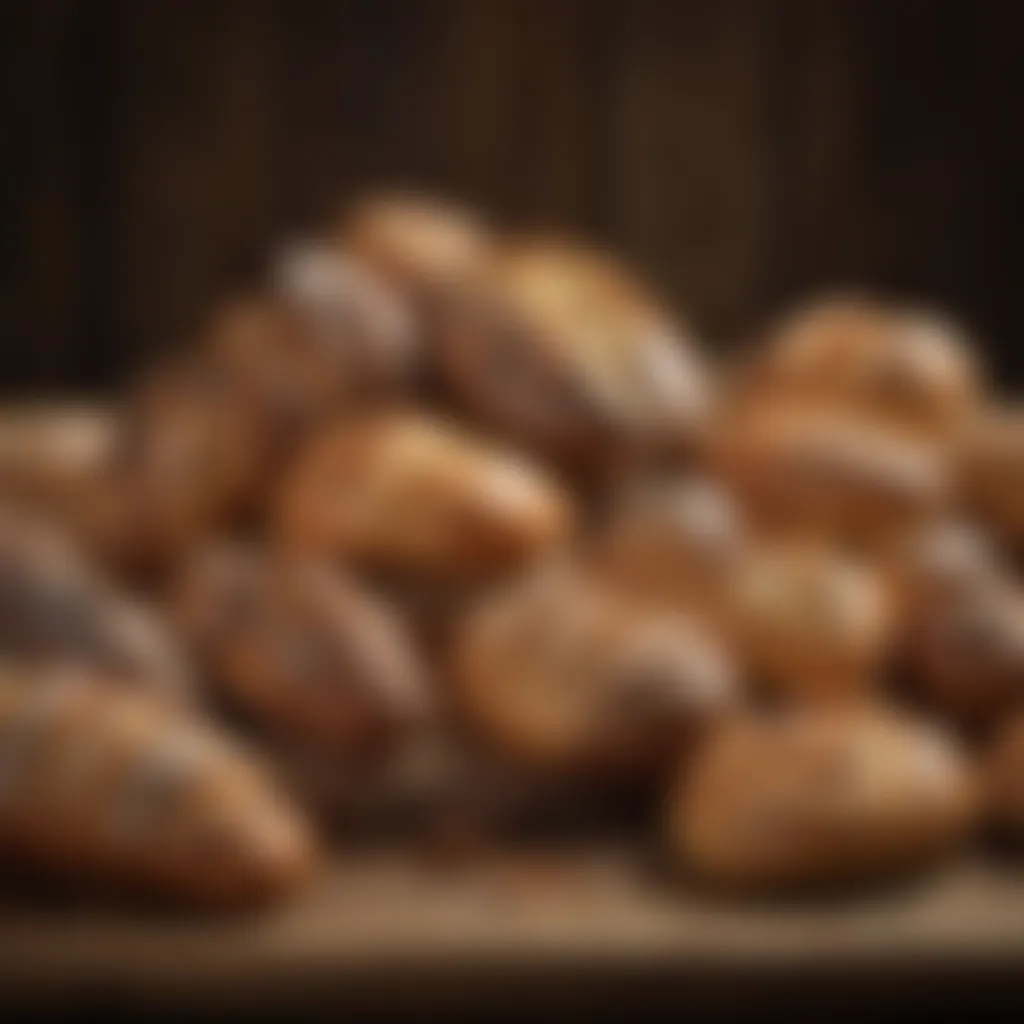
[434, 505]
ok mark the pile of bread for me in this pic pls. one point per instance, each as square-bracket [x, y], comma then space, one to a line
[436, 514]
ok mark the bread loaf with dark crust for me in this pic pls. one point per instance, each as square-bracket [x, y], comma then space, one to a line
[304, 651]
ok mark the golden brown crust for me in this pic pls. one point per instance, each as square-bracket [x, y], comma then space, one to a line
[558, 346]
[49, 449]
[1004, 779]
[100, 785]
[809, 622]
[819, 796]
[676, 542]
[54, 608]
[966, 653]
[409, 493]
[561, 674]
[905, 366]
[423, 246]
[303, 650]
[991, 463]
[188, 457]
[826, 472]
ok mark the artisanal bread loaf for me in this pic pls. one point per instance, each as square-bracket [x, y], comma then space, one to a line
[562, 673]
[905, 366]
[303, 650]
[100, 785]
[56, 609]
[819, 796]
[823, 471]
[559, 347]
[408, 493]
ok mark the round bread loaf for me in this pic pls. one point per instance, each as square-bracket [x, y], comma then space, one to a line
[902, 365]
[561, 673]
[810, 622]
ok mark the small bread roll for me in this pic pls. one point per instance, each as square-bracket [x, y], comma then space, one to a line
[991, 467]
[905, 366]
[678, 542]
[406, 493]
[942, 564]
[101, 785]
[559, 347]
[326, 333]
[804, 469]
[49, 449]
[55, 609]
[188, 457]
[819, 796]
[966, 653]
[809, 621]
[561, 674]
[422, 246]
[302, 650]
[1004, 780]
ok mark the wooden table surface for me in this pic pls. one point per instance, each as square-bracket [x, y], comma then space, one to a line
[380, 930]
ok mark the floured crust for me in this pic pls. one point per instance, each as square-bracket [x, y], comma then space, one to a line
[559, 347]
[562, 674]
[54, 608]
[303, 650]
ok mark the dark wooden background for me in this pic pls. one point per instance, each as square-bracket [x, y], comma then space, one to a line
[741, 151]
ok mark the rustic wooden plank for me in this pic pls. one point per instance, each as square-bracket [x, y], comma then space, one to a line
[389, 932]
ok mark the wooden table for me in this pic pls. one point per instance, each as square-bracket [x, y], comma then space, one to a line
[572, 930]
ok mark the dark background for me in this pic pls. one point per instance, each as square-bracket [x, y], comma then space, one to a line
[743, 152]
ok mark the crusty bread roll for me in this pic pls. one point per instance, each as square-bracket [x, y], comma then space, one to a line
[424, 247]
[991, 467]
[896, 364]
[965, 653]
[819, 796]
[559, 347]
[678, 542]
[809, 622]
[50, 449]
[187, 458]
[562, 674]
[1004, 780]
[410, 493]
[55, 608]
[101, 785]
[303, 650]
[806, 469]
